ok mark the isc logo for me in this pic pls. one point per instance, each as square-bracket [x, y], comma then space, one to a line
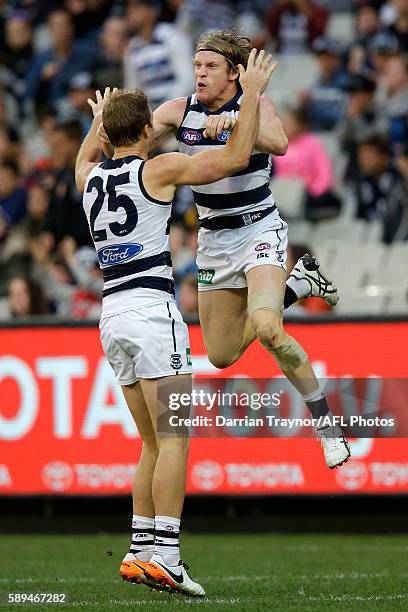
[191, 136]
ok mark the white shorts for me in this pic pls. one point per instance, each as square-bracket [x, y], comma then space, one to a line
[225, 256]
[150, 342]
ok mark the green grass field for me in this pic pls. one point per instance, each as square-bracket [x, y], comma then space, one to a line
[239, 572]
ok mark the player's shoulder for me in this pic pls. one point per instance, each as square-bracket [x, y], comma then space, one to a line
[164, 162]
[172, 111]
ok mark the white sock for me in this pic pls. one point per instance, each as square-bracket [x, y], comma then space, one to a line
[166, 543]
[300, 286]
[142, 545]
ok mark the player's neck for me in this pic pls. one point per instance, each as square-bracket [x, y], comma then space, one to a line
[223, 98]
[139, 150]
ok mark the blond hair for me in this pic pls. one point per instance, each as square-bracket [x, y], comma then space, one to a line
[232, 46]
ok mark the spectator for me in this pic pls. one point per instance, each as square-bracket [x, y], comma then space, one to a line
[9, 144]
[159, 56]
[325, 102]
[381, 47]
[113, 42]
[360, 120]
[67, 217]
[13, 197]
[37, 144]
[376, 177]
[396, 220]
[70, 278]
[9, 108]
[399, 25]
[367, 25]
[295, 25]
[307, 159]
[395, 102]
[197, 16]
[15, 255]
[188, 298]
[81, 88]
[26, 298]
[38, 203]
[17, 52]
[87, 16]
[84, 267]
[51, 70]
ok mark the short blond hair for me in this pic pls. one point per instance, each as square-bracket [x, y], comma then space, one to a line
[232, 46]
[125, 115]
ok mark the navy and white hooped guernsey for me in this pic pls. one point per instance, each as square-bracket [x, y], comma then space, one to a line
[242, 192]
[130, 229]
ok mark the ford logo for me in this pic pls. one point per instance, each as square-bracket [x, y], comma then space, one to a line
[223, 137]
[118, 253]
[191, 136]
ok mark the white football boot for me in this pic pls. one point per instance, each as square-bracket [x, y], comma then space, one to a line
[172, 578]
[308, 267]
[335, 445]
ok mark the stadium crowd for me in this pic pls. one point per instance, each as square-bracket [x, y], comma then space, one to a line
[54, 54]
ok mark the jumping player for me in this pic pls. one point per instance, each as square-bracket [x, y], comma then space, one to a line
[242, 239]
[127, 201]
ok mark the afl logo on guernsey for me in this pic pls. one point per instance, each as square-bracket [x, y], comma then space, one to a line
[118, 253]
[191, 136]
[223, 137]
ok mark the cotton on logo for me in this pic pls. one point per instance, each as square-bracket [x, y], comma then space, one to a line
[57, 475]
[207, 475]
[352, 476]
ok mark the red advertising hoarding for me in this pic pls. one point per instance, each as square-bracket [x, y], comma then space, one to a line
[65, 429]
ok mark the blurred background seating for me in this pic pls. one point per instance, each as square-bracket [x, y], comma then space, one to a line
[341, 89]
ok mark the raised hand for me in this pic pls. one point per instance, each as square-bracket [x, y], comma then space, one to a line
[97, 107]
[258, 72]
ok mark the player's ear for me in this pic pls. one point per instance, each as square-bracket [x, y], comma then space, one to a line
[233, 73]
[146, 131]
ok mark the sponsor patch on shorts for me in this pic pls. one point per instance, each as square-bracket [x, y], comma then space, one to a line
[188, 356]
[205, 277]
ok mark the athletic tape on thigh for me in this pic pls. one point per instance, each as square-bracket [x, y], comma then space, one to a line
[290, 355]
[265, 299]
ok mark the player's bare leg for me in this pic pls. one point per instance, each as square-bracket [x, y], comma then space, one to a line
[266, 286]
[169, 479]
[142, 544]
[227, 329]
[165, 570]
